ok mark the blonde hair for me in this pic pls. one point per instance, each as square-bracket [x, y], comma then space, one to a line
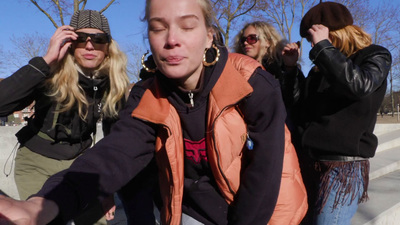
[350, 39]
[266, 33]
[206, 8]
[64, 85]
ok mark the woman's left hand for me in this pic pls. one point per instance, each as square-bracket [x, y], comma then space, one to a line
[290, 54]
[318, 32]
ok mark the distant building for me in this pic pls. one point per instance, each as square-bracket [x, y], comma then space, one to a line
[21, 116]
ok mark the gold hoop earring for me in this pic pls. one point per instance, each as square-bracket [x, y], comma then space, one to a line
[205, 63]
[144, 66]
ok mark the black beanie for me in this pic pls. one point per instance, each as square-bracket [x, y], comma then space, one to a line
[333, 15]
[90, 19]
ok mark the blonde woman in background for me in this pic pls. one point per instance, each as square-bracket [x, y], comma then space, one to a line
[80, 81]
[262, 42]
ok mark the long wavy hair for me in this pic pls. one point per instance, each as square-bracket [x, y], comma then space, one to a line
[266, 33]
[350, 39]
[65, 89]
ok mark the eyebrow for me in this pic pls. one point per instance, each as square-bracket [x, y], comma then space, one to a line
[160, 19]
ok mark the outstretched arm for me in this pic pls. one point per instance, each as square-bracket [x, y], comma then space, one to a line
[36, 210]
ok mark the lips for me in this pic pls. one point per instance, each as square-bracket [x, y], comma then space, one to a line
[89, 56]
[173, 60]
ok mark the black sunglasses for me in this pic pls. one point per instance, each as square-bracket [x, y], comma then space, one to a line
[251, 39]
[97, 38]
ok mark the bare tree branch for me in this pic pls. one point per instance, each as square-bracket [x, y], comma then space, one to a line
[229, 11]
[106, 7]
[26, 47]
[81, 2]
[47, 14]
[134, 53]
[58, 9]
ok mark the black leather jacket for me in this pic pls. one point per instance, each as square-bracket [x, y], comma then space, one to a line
[56, 135]
[339, 100]
[289, 81]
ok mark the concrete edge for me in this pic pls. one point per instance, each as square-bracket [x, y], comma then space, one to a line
[389, 217]
[384, 170]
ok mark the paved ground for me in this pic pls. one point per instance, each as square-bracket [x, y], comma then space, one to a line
[388, 119]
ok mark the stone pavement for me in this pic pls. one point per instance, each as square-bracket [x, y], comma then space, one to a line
[383, 207]
[7, 144]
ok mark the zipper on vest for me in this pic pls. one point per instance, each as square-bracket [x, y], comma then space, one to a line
[249, 143]
[190, 94]
[217, 151]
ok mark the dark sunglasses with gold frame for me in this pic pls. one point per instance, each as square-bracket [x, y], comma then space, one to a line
[250, 39]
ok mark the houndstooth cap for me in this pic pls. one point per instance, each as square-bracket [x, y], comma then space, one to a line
[90, 19]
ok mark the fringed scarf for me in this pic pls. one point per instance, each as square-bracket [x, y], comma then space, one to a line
[347, 181]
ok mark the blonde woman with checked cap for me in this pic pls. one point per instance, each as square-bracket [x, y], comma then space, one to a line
[81, 80]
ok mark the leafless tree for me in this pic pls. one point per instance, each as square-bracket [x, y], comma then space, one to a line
[285, 14]
[134, 53]
[57, 10]
[383, 22]
[229, 11]
[360, 10]
[26, 47]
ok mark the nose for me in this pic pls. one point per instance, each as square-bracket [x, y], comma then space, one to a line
[89, 44]
[172, 39]
[245, 43]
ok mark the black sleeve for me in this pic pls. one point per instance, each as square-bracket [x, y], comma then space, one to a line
[353, 80]
[18, 90]
[264, 113]
[290, 86]
[106, 167]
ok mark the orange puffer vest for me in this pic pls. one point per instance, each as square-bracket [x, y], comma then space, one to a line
[231, 87]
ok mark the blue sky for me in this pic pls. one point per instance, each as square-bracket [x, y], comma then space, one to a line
[19, 17]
